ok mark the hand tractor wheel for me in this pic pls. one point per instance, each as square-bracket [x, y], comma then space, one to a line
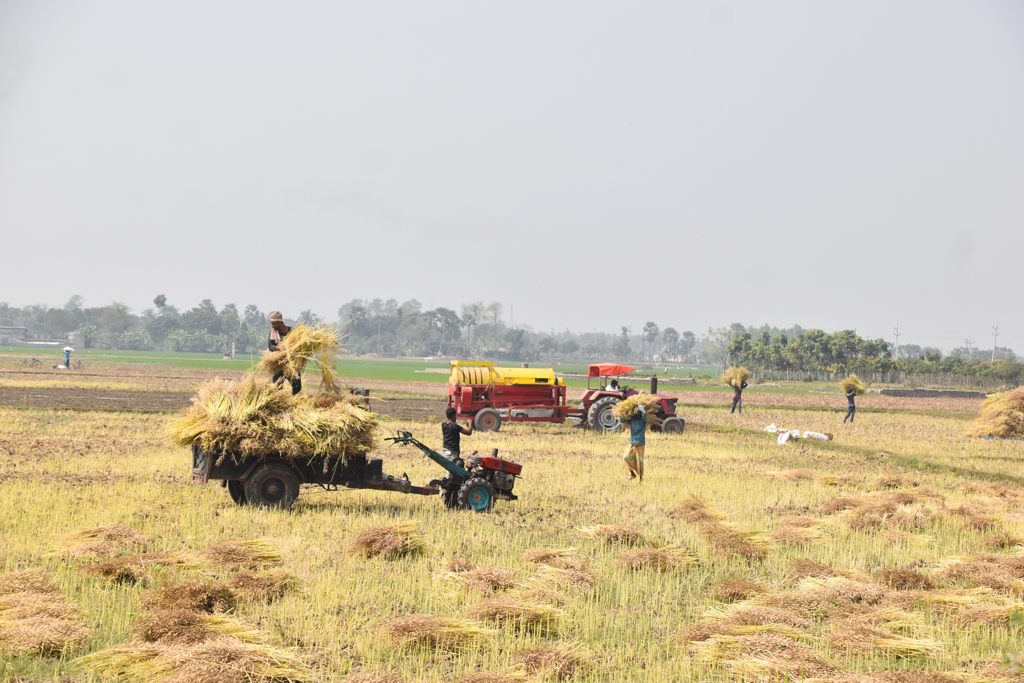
[673, 425]
[273, 485]
[477, 495]
[236, 489]
[487, 420]
[600, 415]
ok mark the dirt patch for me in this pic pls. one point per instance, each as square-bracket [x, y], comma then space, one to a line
[93, 399]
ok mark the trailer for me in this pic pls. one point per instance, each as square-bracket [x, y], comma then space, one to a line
[489, 395]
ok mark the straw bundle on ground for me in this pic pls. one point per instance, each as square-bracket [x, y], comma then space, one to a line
[131, 569]
[630, 408]
[183, 627]
[663, 559]
[460, 564]
[578, 578]
[831, 597]
[102, 542]
[561, 661]
[855, 638]
[494, 677]
[302, 345]
[803, 568]
[729, 539]
[614, 534]
[735, 377]
[555, 557]
[904, 579]
[1002, 416]
[791, 475]
[735, 589]
[254, 417]
[195, 595]
[389, 542]
[254, 554]
[485, 579]
[763, 657]
[265, 586]
[35, 619]
[695, 511]
[373, 677]
[855, 383]
[436, 632]
[511, 612]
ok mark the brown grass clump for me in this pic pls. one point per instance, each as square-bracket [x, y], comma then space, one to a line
[855, 638]
[830, 597]
[547, 575]
[629, 408]
[612, 534]
[763, 656]
[103, 542]
[893, 481]
[131, 569]
[728, 540]
[486, 579]
[695, 511]
[855, 383]
[435, 632]
[35, 619]
[791, 475]
[264, 586]
[900, 677]
[373, 677]
[254, 417]
[797, 530]
[254, 554]
[975, 514]
[986, 570]
[389, 542]
[510, 612]
[493, 677]
[459, 564]
[735, 377]
[904, 579]
[1002, 416]
[172, 627]
[735, 589]
[196, 595]
[989, 615]
[552, 556]
[561, 661]
[1003, 540]
[802, 569]
[663, 559]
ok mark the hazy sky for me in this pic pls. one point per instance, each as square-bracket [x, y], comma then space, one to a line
[593, 164]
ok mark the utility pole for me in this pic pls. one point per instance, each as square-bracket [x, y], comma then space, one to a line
[995, 337]
[897, 341]
[967, 344]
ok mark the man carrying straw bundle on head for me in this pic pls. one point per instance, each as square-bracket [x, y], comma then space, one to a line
[854, 387]
[634, 455]
[278, 331]
[737, 379]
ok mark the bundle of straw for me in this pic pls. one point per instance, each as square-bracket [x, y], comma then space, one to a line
[853, 382]
[302, 345]
[1002, 416]
[735, 377]
[630, 408]
[254, 417]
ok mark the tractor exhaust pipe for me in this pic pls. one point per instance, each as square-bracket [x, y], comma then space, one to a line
[654, 385]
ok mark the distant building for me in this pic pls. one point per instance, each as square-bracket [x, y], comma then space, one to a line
[13, 334]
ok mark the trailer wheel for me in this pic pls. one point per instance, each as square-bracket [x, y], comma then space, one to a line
[236, 489]
[477, 495]
[272, 485]
[487, 420]
[673, 425]
[600, 415]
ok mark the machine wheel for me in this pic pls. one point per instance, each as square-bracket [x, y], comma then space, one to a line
[477, 495]
[600, 415]
[673, 425]
[487, 420]
[236, 489]
[272, 485]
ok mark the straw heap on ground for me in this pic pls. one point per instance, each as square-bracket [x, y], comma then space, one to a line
[1002, 416]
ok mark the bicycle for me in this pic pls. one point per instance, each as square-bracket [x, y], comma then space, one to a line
[32, 363]
[78, 365]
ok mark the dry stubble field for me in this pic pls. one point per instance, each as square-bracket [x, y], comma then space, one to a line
[894, 550]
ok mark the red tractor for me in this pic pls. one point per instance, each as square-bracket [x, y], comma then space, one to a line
[489, 395]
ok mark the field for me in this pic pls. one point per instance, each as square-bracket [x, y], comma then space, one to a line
[896, 548]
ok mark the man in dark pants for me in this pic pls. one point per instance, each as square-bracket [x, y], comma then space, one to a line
[451, 433]
[737, 399]
[278, 331]
[851, 406]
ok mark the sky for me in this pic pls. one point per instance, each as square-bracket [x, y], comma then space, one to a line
[842, 165]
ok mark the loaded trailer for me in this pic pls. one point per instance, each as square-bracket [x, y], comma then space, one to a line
[489, 395]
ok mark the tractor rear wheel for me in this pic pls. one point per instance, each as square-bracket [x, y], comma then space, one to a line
[236, 489]
[273, 485]
[477, 494]
[673, 425]
[600, 415]
[487, 420]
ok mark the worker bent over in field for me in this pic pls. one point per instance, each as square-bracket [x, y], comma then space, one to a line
[278, 331]
[851, 406]
[634, 455]
[451, 433]
[737, 398]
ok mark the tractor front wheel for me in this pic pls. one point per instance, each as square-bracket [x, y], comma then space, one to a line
[673, 425]
[236, 489]
[273, 485]
[487, 420]
[477, 495]
[601, 417]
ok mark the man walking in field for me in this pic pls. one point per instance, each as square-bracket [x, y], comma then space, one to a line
[634, 455]
[278, 331]
[737, 398]
[851, 406]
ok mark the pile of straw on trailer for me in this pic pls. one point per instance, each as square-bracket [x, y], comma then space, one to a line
[735, 377]
[630, 408]
[254, 417]
[1002, 416]
[300, 347]
[855, 383]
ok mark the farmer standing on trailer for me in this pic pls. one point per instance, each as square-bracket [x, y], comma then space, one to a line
[737, 398]
[451, 433]
[278, 331]
[851, 406]
[634, 455]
